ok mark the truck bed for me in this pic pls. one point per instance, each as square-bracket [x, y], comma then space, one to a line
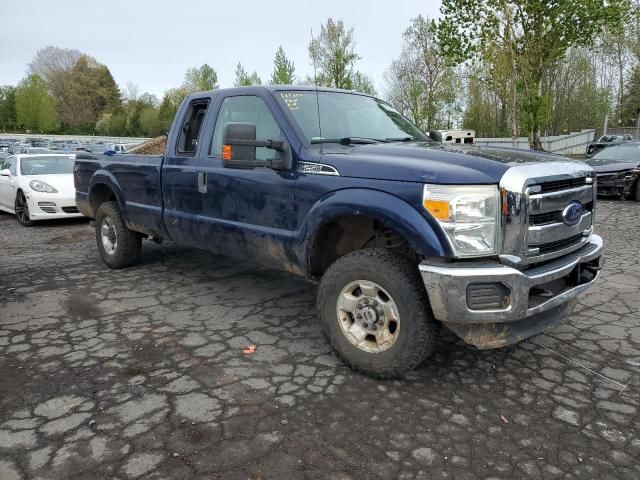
[137, 175]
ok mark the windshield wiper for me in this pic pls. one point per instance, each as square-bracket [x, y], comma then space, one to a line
[349, 140]
[404, 139]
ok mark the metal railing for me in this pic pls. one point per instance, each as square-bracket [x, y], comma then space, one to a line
[80, 138]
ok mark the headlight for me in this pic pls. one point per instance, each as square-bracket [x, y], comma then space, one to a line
[39, 186]
[468, 214]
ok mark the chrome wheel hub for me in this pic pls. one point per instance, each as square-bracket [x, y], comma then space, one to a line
[108, 236]
[368, 316]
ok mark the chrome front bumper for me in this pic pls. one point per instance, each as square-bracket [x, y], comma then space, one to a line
[528, 310]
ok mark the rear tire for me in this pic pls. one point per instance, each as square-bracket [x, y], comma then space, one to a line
[636, 195]
[21, 209]
[119, 247]
[357, 298]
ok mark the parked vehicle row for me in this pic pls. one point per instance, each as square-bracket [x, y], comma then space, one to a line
[9, 147]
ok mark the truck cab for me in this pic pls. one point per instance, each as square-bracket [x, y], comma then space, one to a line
[401, 232]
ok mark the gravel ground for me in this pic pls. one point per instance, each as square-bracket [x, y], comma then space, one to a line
[141, 373]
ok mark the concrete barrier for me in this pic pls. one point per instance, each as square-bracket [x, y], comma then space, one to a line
[571, 144]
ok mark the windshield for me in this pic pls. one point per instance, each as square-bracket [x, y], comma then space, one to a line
[46, 165]
[346, 115]
[618, 154]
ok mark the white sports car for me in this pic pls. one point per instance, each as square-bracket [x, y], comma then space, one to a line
[38, 187]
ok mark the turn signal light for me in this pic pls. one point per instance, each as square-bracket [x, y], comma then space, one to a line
[438, 208]
[226, 152]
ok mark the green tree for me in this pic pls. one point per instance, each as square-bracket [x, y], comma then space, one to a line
[169, 106]
[283, 69]
[362, 83]
[631, 100]
[199, 79]
[537, 34]
[333, 55]
[150, 123]
[35, 110]
[91, 91]
[243, 79]
[113, 124]
[7, 108]
[419, 82]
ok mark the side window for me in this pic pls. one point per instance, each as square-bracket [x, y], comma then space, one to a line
[190, 130]
[251, 109]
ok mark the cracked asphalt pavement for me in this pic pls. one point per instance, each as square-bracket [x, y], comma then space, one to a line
[140, 373]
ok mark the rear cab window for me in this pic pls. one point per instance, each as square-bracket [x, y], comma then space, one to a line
[191, 127]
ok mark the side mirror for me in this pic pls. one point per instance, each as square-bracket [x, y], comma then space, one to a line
[239, 148]
[5, 173]
[239, 143]
[435, 135]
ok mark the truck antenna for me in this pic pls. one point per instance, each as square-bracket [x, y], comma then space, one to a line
[315, 82]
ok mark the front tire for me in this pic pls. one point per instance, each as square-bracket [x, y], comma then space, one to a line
[119, 247]
[375, 313]
[21, 209]
[637, 191]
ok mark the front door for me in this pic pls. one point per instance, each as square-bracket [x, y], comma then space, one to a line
[248, 212]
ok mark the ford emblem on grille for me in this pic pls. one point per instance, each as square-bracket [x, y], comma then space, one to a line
[572, 213]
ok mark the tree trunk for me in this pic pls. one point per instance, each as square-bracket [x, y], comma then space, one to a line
[621, 84]
[536, 140]
[514, 105]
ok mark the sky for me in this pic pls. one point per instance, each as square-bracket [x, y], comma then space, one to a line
[152, 43]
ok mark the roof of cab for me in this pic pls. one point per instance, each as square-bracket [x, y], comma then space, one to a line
[254, 89]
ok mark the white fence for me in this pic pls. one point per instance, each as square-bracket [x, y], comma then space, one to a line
[570, 144]
[80, 138]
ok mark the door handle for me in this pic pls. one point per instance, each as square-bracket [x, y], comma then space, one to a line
[202, 182]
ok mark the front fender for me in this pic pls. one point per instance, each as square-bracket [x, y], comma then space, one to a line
[388, 209]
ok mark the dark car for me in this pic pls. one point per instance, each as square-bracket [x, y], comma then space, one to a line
[618, 170]
[606, 141]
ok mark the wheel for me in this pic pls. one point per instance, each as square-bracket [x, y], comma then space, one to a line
[375, 313]
[21, 207]
[636, 193]
[119, 247]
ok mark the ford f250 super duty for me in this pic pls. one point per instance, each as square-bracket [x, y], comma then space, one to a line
[401, 231]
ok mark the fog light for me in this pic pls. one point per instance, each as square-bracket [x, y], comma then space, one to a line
[487, 296]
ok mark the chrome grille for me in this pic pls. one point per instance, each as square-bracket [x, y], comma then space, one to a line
[555, 185]
[552, 217]
[546, 201]
[534, 197]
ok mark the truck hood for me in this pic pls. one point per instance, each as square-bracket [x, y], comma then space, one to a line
[614, 167]
[431, 162]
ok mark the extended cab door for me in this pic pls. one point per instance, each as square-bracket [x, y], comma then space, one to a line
[248, 212]
[182, 200]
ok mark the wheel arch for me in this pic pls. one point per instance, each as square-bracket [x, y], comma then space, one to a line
[337, 224]
[105, 188]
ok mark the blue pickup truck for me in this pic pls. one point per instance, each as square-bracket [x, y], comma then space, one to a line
[401, 231]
